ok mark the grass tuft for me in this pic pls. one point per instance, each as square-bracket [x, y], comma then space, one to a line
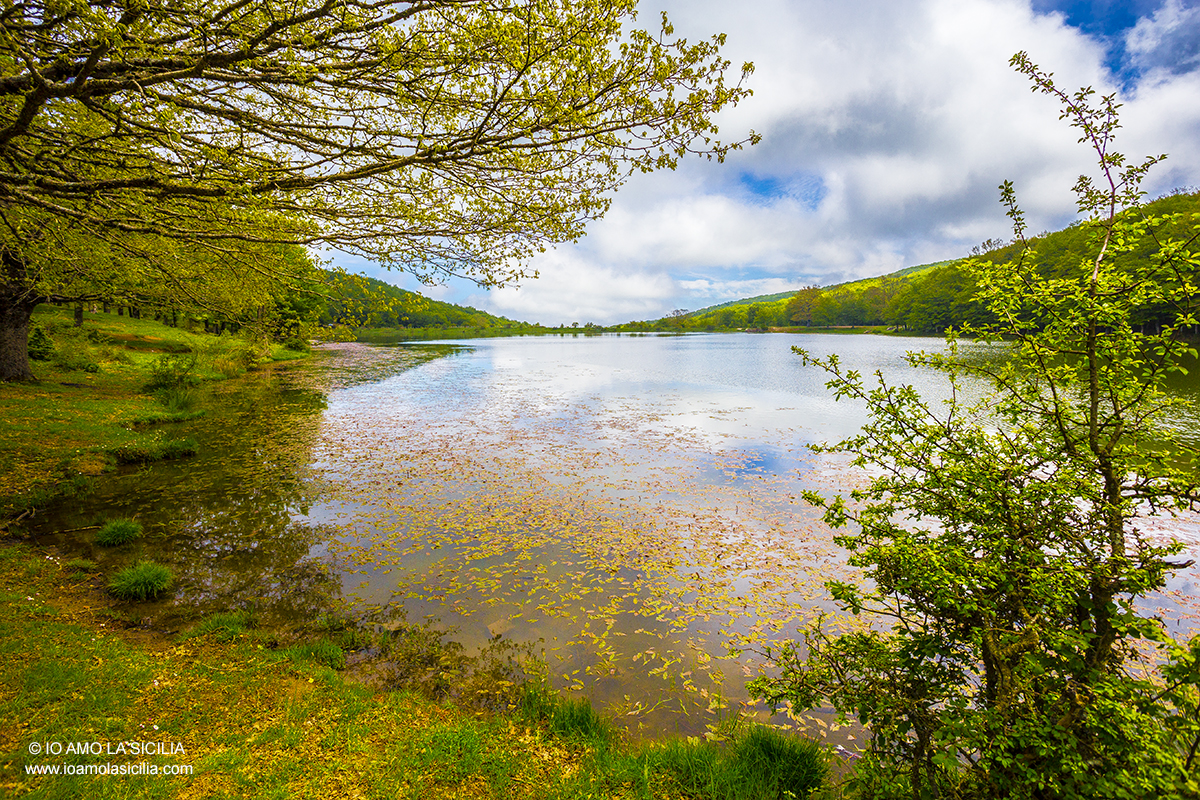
[118, 532]
[155, 451]
[759, 763]
[177, 399]
[80, 565]
[577, 720]
[143, 581]
[224, 627]
[323, 652]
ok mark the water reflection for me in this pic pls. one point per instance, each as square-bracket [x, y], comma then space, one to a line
[233, 523]
[631, 503]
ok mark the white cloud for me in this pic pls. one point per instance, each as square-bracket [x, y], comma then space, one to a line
[713, 292]
[1168, 40]
[886, 130]
[573, 289]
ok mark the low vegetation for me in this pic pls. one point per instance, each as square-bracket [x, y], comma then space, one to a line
[1006, 539]
[145, 580]
[118, 532]
[256, 717]
[107, 393]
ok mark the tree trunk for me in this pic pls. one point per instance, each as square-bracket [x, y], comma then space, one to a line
[17, 302]
[79, 315]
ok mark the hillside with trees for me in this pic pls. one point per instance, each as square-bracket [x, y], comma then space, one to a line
[929, 298]
[372, 310]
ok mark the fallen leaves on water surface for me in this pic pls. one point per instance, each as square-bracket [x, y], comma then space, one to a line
[633, 543]
[634, 537]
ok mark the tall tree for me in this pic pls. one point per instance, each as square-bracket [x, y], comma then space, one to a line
[1007, 541]
[435, 136]
[800, 307]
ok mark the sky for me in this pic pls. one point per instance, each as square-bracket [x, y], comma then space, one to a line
[886, 130]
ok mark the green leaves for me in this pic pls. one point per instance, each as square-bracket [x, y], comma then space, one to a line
[452, 137]
[1004, 537]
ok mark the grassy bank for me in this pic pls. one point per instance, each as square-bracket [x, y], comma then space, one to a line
[330, 711]
[249, 717]
[106, 393]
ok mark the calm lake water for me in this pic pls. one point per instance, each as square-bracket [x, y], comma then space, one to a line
[628, 505]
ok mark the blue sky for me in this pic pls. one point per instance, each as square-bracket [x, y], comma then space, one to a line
[1110, 22]
[886, 130]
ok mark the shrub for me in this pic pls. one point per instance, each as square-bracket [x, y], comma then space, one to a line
[115, 354]
[118, 531]
[74, 355]
[173, 371]
[298, 344]
[40, 346]
[143, 581]
[1004, 537]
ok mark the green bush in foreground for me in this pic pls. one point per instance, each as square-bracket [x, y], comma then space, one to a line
[143, 581]
[1006, 538]
[118, 531]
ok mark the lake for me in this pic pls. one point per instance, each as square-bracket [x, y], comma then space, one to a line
[629, 506]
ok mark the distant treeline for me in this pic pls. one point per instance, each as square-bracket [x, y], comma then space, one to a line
[359, 302]
[945, 296]
[924, 300]
[928, 300]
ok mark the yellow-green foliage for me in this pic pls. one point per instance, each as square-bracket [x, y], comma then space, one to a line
[118, 532]
[144, 580]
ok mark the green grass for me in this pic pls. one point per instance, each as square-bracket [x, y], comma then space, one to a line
[323, 652]
[746, 761]
[80, 566]
[257, 722]
[224, 626]
[144, 580]
[88, 409]
[759, 762]
[118, 532]
[148, 451]
[577, 720]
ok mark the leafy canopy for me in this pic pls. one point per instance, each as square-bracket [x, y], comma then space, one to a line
[437, 136]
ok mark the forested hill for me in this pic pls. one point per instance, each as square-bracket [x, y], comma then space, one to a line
[359, 302]
[934, 300]
[927, 298]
